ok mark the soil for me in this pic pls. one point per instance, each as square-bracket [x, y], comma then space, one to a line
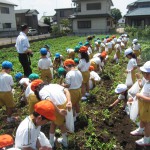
[117, 124]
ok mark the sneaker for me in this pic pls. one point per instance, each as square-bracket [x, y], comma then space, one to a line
[87, 94]
[137, 132]
[83, 98]
[52, 142]
[145, 141]
[64, 143]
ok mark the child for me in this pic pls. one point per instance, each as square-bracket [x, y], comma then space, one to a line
[6, 96]
[28, 135]
[108, 47]
[83, 66]
[23, 82]
[132, 65]
[73, 82]
[29, 94]
[61, 74]
[123, 95]
[144, 108]
[49, 55]
[87, 44]
[60, 97]
[44, 65]
[97, 61]
[94, 78]
[76, 60]
[58, 61]
[117, 50]
[136, 47]
[71, 53]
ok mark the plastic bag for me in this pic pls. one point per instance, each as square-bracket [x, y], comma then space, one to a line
[129, 81]
[134, 89]
[51, 69]
[134, 110]
[70, 121]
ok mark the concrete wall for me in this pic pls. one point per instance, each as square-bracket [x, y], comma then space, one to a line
[98, 25]
[105, 7]
[8, 18]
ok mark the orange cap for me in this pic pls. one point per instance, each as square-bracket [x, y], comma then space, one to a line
[69, 62]
[108, 40]
[103, 54]
[46, 109]
[35, 83]
[83, 49]
[113, 36]
[91, 68]
[6, 140]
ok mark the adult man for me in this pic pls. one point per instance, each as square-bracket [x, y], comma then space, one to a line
[22, 46]
[28, 135]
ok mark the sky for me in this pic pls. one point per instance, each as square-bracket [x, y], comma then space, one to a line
[46, 7]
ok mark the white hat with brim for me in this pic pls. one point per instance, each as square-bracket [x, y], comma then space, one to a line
[146, 67]
[120, 88]
[118, 41]
[134, 41]
[128, 51]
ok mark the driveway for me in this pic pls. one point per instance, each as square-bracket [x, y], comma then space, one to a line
[5, 41]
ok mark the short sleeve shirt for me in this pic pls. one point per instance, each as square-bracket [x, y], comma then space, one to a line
[83, 65]
[131, 64]
[44, 63]
[27, 134]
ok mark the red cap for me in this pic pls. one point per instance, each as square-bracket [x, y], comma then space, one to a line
[91, 68]
[69, 62]
[83, 49]
[6, 140]
[35, 83]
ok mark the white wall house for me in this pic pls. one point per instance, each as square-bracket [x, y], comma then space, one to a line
[7, 16]
[92, 16]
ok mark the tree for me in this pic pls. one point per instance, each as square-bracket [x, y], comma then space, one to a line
[65, 24]
[116, 14]
[47, 21]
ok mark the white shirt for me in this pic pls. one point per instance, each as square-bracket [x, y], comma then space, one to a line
[22, 43]
[118, 47]
[28, 91]
[97, 60]
[54, 92]
[6, 82]
[27, 134]
[136, 47]
[131, 64]
[24, 81]
[83, 65]
[95, 76]
[74, 79]
[70, 50]
[44, 63]
[89, 50]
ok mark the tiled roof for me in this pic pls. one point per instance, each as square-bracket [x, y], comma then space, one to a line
[21, 11]
[89, 16]
[139, 12]
[7, 2]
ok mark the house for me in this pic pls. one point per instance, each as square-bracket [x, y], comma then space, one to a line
[121, 22]
[92, 16]
[138, 14]
[49, 17]
[7, 16]
[27, 16]
[62, 13]
[43, 28]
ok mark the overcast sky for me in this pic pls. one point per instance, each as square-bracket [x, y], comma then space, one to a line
[46, 7]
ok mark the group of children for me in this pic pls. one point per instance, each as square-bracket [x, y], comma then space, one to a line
[76, 77]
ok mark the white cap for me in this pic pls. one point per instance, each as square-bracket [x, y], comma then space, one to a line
[120, 88]
[128, 51]
[125, 35]
[134, 41]
[118, 41]
[146, 67]
[97, 55]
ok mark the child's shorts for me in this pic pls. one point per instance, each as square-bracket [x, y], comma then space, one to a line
[60, 120]
[75, 95]
[6, 99]
[86, 76]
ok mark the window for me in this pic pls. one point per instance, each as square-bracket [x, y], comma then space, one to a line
[93, 6]
[6, 25]
[4, 10]
[84, 24]
[108, 23]
[62, 14]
